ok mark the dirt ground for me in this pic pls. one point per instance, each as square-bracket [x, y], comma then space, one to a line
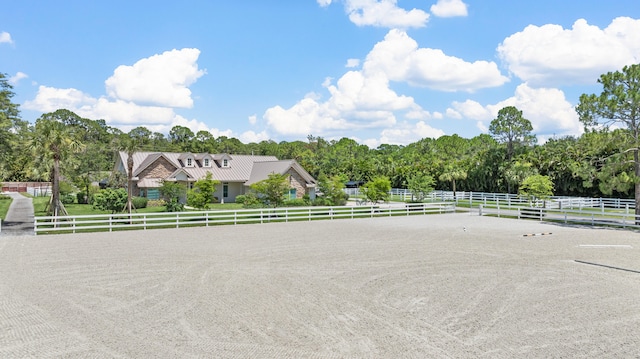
[438, 286]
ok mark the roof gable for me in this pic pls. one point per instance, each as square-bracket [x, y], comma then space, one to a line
[262, 170]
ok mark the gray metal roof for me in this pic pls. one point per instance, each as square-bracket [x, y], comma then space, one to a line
[239, 170]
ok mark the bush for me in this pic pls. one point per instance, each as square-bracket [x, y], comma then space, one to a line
[113, 200]
[4, 197]
[139, 202]
[155, 203]
[298, 202]
[322, 202]
[81, 198]
[240, 198]
[67, 199]
[65, 188]
[251, 201]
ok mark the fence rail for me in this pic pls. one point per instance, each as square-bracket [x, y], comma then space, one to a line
[562, 202]
[584, 216]
[114, 222]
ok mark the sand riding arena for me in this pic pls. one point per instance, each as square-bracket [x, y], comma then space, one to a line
[435, 286]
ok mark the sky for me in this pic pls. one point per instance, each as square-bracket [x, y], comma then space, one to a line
[376, 71]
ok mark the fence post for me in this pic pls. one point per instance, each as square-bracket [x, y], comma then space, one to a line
[480, 210]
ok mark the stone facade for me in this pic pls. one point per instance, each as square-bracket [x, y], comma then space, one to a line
[296, 181]
[161, 168]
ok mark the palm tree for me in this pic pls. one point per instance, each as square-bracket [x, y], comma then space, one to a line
[452, 174]
[51, 143]
[130, 144]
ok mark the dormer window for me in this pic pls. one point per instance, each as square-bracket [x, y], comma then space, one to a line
[225, 163]
[206, 163]
[189, 162]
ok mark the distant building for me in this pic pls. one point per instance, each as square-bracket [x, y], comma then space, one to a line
[235, 172]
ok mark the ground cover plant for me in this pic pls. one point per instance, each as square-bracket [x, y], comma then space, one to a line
[5, 202]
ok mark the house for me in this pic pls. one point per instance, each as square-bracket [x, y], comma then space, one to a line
[235, 172]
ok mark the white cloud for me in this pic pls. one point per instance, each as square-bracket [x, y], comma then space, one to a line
[382, 13]
[124, 115]
[351, 63]
[546, 108]
[17, 77]
[449, 8]
[251, 136]
[49, 99]
[363, 99]
[161, 80]
[481, 126]
[550, 55]
[407, 133]
[470, 109]
[253, 119]
[305, 117]
[400, 58]
[5, 37]
[324, 3]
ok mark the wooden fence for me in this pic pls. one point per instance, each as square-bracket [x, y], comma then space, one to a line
[115, 222]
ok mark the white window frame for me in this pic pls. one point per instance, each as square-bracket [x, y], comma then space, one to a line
[206, 162]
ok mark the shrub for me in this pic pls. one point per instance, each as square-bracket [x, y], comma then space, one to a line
[109, 199]
[139, 202]
[4, 197]
[82, 198]
[155, 203]
[322, 201]
[202, 193]
[67, 199]
[240, 198]
[251, 201]
[65, 188]
[298, 202]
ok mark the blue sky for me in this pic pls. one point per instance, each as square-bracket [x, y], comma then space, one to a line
[377, 71]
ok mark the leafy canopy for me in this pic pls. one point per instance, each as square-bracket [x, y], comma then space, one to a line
[617, 105]
[377, 189]
[171, 193]
[271, 191]
[511, 128]
[202, 193]
[420, 185]
[536, 187]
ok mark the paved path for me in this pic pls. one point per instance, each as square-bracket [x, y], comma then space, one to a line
[19, 221]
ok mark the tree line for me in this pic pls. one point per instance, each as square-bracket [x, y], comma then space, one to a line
[602, 162]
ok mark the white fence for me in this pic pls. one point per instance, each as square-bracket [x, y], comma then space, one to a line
[583, 216]
[113, 222]
[562, 202]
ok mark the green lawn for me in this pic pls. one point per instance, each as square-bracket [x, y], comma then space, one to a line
[40, 204]
[4, 206]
